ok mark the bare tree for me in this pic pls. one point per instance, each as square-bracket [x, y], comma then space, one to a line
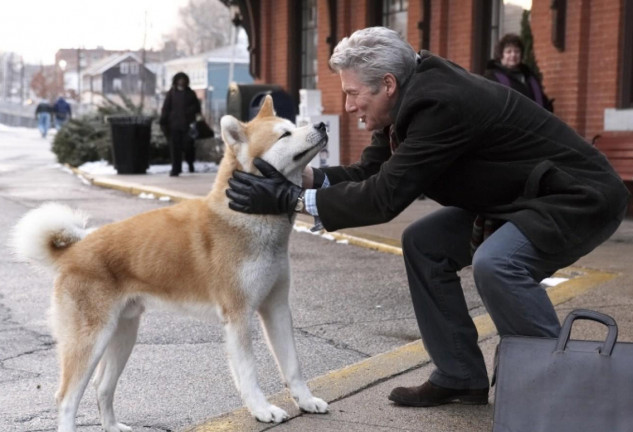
[204, 25]
[47, 83]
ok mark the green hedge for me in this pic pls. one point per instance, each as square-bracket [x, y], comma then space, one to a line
[88, 138]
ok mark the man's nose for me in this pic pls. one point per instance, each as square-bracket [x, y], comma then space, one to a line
[320, 127]
[349, 106]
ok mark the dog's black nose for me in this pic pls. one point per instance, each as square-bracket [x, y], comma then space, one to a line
[320, 127]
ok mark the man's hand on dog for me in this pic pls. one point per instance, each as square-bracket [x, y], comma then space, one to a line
[270, 194]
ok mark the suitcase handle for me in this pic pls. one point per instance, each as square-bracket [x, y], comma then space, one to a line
[601, 318]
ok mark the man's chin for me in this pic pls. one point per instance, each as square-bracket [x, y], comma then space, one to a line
[372, 127]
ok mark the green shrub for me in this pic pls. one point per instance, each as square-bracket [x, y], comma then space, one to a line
[81, 140]
[88, 138]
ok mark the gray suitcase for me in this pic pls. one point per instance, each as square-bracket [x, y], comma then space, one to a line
[562, 385]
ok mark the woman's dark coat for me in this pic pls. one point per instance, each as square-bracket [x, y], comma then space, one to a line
[469, 142]
[180, 107]
[529, 86]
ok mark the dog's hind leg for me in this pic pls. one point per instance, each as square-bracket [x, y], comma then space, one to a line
[112, 364]
[277, 322]
[242, 364]
[80, 348]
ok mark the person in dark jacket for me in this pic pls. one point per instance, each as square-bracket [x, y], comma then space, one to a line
[523, 194]
[62, 112]
[178, 116]
[43, 114]
[507, 68]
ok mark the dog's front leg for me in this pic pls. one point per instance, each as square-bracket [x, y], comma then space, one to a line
[277, 322]
[242, 364]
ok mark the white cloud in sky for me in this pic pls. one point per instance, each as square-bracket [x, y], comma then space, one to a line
[36, 29]
[525, 4]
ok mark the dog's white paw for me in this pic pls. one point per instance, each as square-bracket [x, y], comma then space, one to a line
[270, 414]
[118, 427]
[313, 405]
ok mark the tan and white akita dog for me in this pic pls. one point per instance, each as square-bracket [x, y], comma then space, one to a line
[218, 263]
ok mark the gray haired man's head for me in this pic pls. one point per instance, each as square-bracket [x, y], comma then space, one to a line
[373, 52]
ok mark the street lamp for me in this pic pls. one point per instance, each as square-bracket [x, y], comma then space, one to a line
[62, 66]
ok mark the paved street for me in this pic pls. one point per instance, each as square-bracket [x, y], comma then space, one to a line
[354, 324]
[349, 303]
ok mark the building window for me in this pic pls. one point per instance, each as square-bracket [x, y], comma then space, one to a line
[424, 25]
[308, 44]
[559, 18]
[124, 68]
[626, 87]
[485, 19]
[394, 15]
[116, 84]
[491, 21]
[134, 68]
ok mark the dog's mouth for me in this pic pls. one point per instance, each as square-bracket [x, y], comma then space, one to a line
[321, 144]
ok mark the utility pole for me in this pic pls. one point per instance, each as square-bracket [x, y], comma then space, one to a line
[21, 80]
[142, 68]
[79, 75]
[4, 75]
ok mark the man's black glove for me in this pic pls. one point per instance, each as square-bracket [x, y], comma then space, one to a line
[270, 194]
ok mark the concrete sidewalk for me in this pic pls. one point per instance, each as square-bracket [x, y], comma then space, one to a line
[357, 394]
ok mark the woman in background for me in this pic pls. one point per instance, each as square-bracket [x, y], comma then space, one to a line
[508, 69]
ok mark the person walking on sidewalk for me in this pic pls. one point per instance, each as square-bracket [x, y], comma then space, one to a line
[43, 114]
[523, 194]
[179, 113]
[62, 112]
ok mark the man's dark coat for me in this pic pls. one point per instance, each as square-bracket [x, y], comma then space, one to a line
[468, 142]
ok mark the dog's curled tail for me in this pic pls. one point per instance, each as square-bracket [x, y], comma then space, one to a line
[45, 232]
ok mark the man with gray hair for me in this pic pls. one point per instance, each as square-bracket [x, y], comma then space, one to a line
[523, 195]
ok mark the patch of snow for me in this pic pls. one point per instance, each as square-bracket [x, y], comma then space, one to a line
[553, 281]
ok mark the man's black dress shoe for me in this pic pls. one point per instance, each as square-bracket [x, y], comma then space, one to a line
[429, 394]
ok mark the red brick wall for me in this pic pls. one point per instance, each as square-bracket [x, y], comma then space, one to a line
[603, 62]
[459, 32]
[583, 78]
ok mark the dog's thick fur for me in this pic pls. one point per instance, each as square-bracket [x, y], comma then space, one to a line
[199, 255]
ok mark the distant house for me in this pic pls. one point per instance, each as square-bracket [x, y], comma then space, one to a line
[120, 73]
[219, 69]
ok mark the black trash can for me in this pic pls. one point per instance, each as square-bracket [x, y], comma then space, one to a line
[239, 97]
[243, 101]
[130, 143]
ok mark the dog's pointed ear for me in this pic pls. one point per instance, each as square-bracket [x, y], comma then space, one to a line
[233, 132]
[267, 109]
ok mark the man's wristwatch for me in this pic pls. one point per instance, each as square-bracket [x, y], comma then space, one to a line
[301, 204]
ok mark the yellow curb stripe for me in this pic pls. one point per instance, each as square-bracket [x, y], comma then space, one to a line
[131, 188]
[357, 241]
[583, 280]
[351, 379]
[137, 189]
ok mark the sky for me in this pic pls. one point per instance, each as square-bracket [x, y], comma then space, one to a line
[525, 4]
[36, 29]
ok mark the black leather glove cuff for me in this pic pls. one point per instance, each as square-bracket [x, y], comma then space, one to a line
[318, 178]
[271, 193]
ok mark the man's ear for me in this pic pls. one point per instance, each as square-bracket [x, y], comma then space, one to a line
[390, 83]
[233, 133]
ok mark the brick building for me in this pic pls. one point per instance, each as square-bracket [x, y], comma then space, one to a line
[584, 49]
